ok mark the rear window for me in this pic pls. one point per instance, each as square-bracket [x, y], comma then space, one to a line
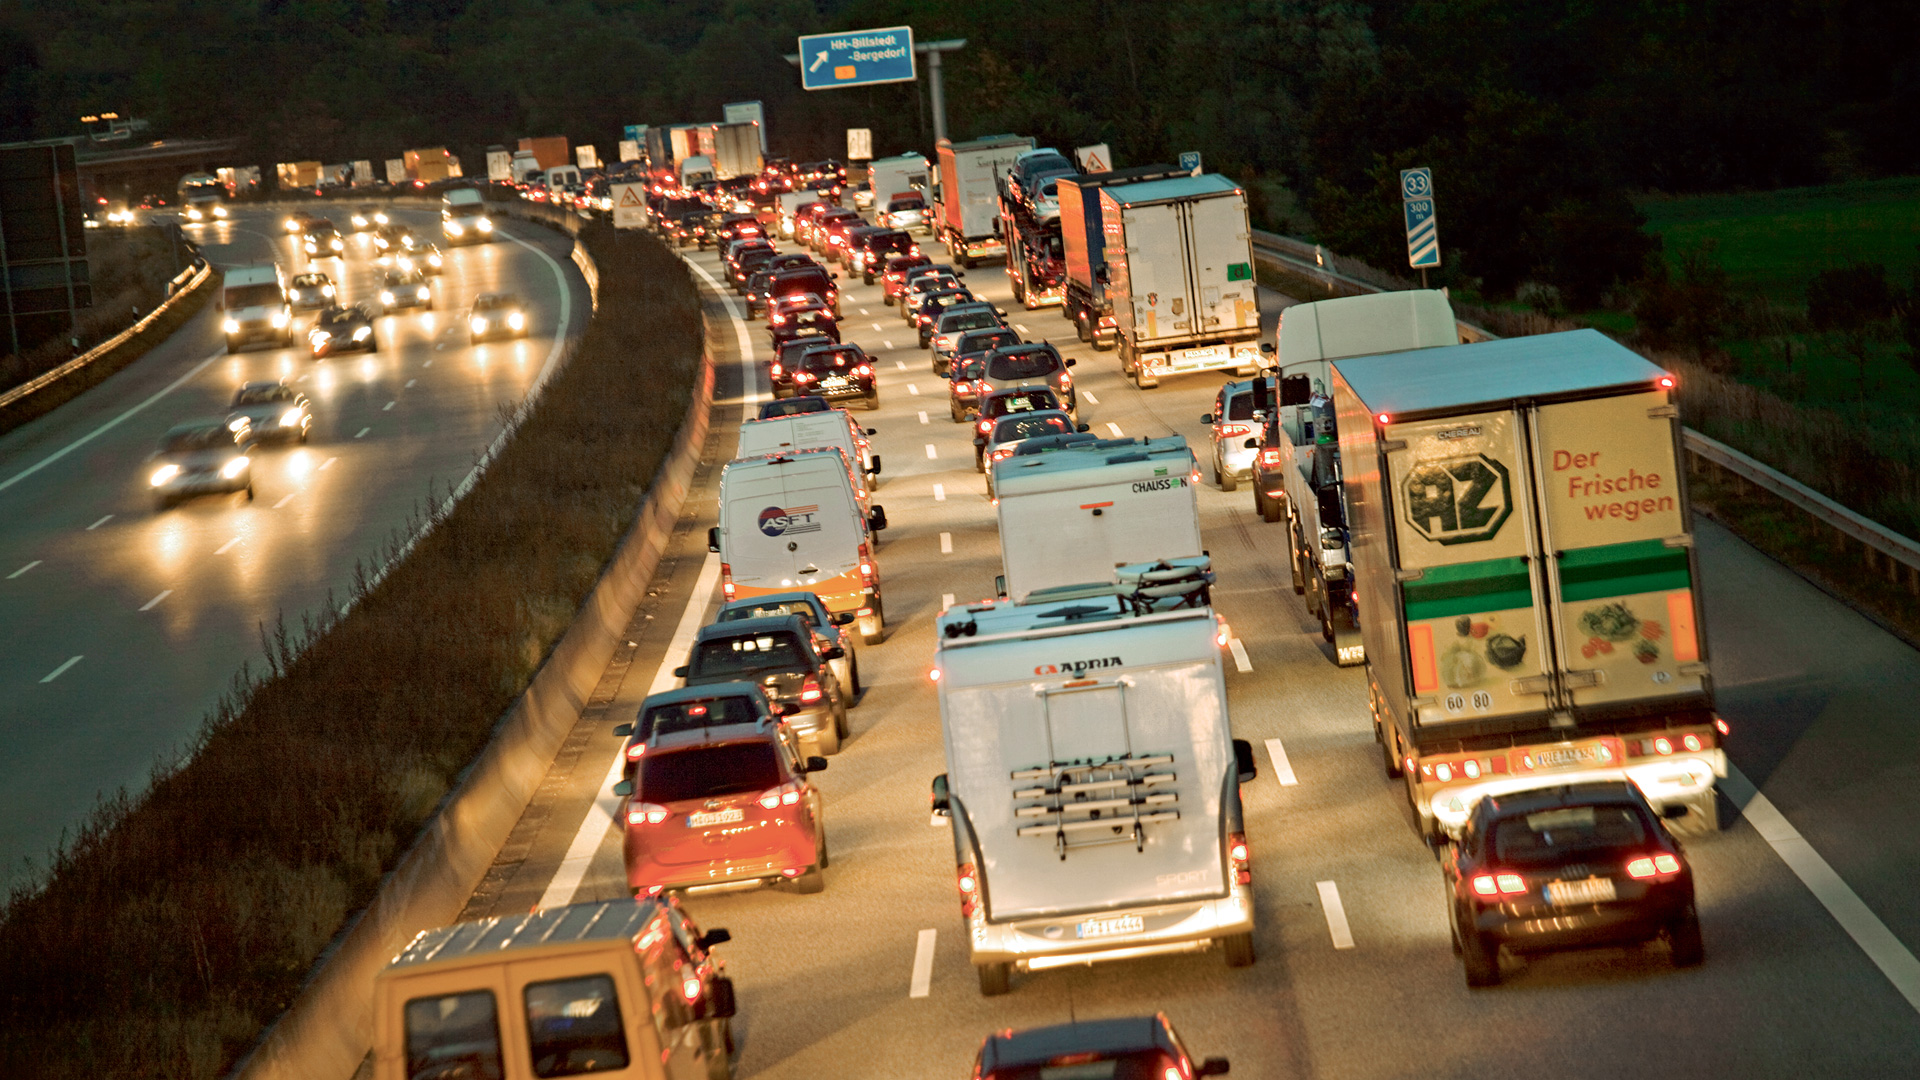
[994, 340]
[969, 320]
[262, 395]
[573, 1026]
[1022, 365]
[969, 369]
[911, 203]
[454, 1035]
[813, 281]
[708, 772]
[769, 611]
[1240, 406]
[830, 360]
[694, 715]
[1032, 401]
[1554, 836]
[1027, 427]
[890, 242]
[744, 655]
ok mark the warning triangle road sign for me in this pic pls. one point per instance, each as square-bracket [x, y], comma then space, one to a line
[629, 198]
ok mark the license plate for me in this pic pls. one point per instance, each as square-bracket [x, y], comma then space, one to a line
[1124, 924]
[1564, 756]
[700, 819]
[1596, 890]
[1196, 357]
[834, 383]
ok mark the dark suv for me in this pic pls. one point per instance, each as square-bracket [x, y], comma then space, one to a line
[778, 654]
[872, 249]
[837, 372]
[1038, 397]
[813, 279]
[1017, 365]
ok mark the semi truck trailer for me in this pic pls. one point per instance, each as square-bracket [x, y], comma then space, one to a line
[967, 203]
[1083, 246]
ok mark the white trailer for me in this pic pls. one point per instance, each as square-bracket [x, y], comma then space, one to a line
[1072, 516]
[499, 165]
[1092, 784]
[1180, 275]
[968, 204]
[736, 150]
[906, 174]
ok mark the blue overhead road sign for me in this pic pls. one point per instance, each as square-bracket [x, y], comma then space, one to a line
[1423, 226]
[857, 58]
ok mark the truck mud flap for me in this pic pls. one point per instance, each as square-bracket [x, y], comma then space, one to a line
[1348, 649]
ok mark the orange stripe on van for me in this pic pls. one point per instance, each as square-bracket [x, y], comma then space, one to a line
[1686, 637]
[1426, 673]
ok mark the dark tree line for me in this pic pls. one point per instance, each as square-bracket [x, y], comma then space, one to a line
[1537, 116]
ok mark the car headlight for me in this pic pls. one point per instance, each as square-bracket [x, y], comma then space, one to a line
[193, 214]
[517, 320]
[454, 229]
[319, 338]
[380, 217]
[362, 333]
[279, 320]
[238, 423]
[219, 211]
[292, 225]
[163, 474]
[386, 296]
[424, 294]
[479, 325]
[234, 467]
[231, 326]
[336, 244]
[359, 222]
[433, 260]
[328, 291]
[290, 418]
[484, 225]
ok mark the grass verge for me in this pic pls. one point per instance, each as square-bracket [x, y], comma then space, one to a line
[175, 924]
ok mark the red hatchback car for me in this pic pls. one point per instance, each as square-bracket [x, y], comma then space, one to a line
[723, 806]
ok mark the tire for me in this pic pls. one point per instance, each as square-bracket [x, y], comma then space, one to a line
[953, 409]
[162, 504]
[1326, 622]
[873, 401]
[995, 979]
[829, 738]
[1237, 950]
[1684, 936]
[966, 262]
[1389, 758]
[373, 344]
[1293, 557]
[249, 491]
[853, 672]
[811, 882]
[879, 632]
[1080, 327]
[303, 437]
[840, 723]
[1222, 477]
[1479, 960]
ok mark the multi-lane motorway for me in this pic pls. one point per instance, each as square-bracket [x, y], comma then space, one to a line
[1354, 976]
[124, 625]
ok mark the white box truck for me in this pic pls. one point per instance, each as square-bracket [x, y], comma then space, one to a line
[499, 165]
[905, 174]
[967, 202]
[1310, 337]
[1092, 784]
[834, 428]
[736, 150]
[1524, 561]
[1180, 277]
[1072, 516]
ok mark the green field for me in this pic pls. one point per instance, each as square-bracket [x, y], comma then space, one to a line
[1771, 242]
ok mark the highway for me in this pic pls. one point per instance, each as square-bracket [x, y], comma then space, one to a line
[1354, 977]
[125, 625]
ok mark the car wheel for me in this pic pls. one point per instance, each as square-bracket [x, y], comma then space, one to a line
[1237, 949]
[868, 278]
[1223, 477]
[887, 300]
[873, 627]
[249, 491]
[873, 401]
[979, 462]
[1480, 959]
[840, 726]
[373, 344]
[821, 859]
[995, 979]
[853, 672]
[813, 881]
[828, 738]
[1684, 936]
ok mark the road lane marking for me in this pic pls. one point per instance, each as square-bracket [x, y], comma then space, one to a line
[946, 545]
[600, 816]
[939, 493]
[1887, 952]
[1240, 661]
[1115, 428]
[922, 981]
[946, 600]
[155, 602]
[1088, 394]
[61, 670]
[1282, 768]
[901, 364]
[226, 547]
[324, 464]
[864, 311]
[284, 500]
[932, 454]
[1336, 914]
[440, 346]
[429, 362]
[99, 523]
[1022, 329]
[913, 388]
[23, 569]
[884, 343]
[362, 432]
[923, 418]
[876, 326]
[109, 425]
[388, 407]
[410, 383]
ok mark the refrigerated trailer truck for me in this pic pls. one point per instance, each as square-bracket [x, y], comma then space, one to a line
[1092, 784]
[1180, 275]
[736, 150]
[967, 202]
[1083, 244]
[1524, 562]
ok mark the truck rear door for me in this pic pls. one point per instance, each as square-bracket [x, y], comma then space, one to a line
[1157, 280]
[1221, 266]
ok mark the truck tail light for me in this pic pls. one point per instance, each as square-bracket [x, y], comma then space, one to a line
[1240, 857]
[969, 885]
[726, 580]
[646, 813]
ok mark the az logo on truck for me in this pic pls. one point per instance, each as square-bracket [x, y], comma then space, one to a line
[1460, 500]
[779, 521]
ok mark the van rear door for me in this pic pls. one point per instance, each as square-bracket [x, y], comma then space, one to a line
[794, 523]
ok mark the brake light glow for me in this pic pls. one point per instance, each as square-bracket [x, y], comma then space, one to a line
[867, 575]
[985, 425]
[969, 889]
[1384, 419]
[810, 693]
[1269, 458]
[1499, 884]
[726, 580]
[646, 814]
[1656, 866]
[1721, 726]
[863, 369]
[690, 988]
[787, 794]
[636, 751]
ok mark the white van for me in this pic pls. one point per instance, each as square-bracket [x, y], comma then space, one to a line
[794, 520]
[790, 202]
[808, 431]
[253, 305]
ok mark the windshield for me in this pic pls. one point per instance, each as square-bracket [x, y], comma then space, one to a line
[708, 772]
[746, 655]
[310, 279]
[246, 296]
[1022, 365]
[1554, 836]
[262, 395]
[495, 301]
[694, 715]
[214, 437]
[1027, 427]
[969, 320]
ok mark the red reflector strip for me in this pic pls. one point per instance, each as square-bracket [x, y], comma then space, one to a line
[1091, 506]
[1082, 682]
[1426, 672]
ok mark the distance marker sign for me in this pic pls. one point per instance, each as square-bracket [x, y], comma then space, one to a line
[857, 58]
[1423, 227]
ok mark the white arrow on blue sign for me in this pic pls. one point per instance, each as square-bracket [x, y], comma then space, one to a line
[1423, 225]
[857, 58]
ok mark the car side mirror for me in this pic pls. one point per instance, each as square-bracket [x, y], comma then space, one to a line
[1207, 419]
[941, 798]
[1267, 347]
[845, 618]
[1083, 428]
[680, 672]
[1213, 1066]
[833, 652]
[623, 730]
[872, 431]
[716, 936]
[623, 788]
[816, 764]
[1071, 361]
[1244, 761]
[721, 1003]
[1674, 811]
[874, 469]
[878, 519]
[713, 538]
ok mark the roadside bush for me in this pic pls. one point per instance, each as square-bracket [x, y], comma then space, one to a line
[1849, 297]
[178, 922]
[1687, 309]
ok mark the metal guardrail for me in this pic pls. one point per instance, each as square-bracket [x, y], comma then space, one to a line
[176, 291]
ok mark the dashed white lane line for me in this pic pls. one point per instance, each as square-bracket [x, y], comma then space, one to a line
[1336, 914]
[946, 543]
[876, 326]
[1887, 952]
[23, 569]
[388, 407]
[111, 424]
[1282, 768]
[61, 670]
[946, 600]
[864, 311]
[939, 493]
[324, 465]
[1022, 329]
[362, 433]
[913, 388]
[428, 363]
[1240, 661]
[923, 418]
[1088, 394]
[932, 454]
[226, 547]
[885, 344]
[410, 383]
[922, 982]
[284, 500]
[440, 346]
[99, 523]
[901, 364]
[1115, 428]
[155, 602]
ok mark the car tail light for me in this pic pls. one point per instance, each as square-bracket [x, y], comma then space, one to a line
[646, 814]
[810, 693]
[1066, 381]
[1721, 726]
[636, 751]
[969, 884]
[1240, 856]
[786, 794]
[1003, 452]
[1652, 866]
[776, 369]
[1691, 742]
[1499, 884]
[690, 988]
[867, 574]
[726, 580]
[867, 369]
[802, 376]
[985, 425]
[1269, 458]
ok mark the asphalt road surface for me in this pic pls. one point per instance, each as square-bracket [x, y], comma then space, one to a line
[1354, 977]
[124, 625]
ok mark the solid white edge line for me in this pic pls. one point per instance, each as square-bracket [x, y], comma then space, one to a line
[1887, 951]
[922, 982]
[155, 602]
[226, 547]
[1240, 661]
[99, 523]
[284, 500]
[1282, 767]
[109, 425]
[23, 569]
[1336, 914]
[946, 543]
[61, 670]
[325, 464]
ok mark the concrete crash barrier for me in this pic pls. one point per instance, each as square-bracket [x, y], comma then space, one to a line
[189, 283]
[328, 1029]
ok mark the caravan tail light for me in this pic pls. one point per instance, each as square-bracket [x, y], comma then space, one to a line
[969, 885]
[726, 580]
[1241, 857]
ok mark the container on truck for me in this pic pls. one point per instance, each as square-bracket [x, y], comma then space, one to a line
[299, 174]
[967, 206]
[429, 165]
[736, 151]
[336, 175]
[1093, 783]
[587, 157]
[1524, 563]
[550, 151]
[747, 112]
[464, 218]
[1072, 516]
[791, 201]
[396, 170]
[363, 174]
[254, 307]
[1310, 337]
[1180, 274]
[1083, 245]
[239, 179]
[499, 165]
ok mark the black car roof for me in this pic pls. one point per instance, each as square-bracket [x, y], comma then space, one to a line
[1595, 793]
[1038, 1046]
